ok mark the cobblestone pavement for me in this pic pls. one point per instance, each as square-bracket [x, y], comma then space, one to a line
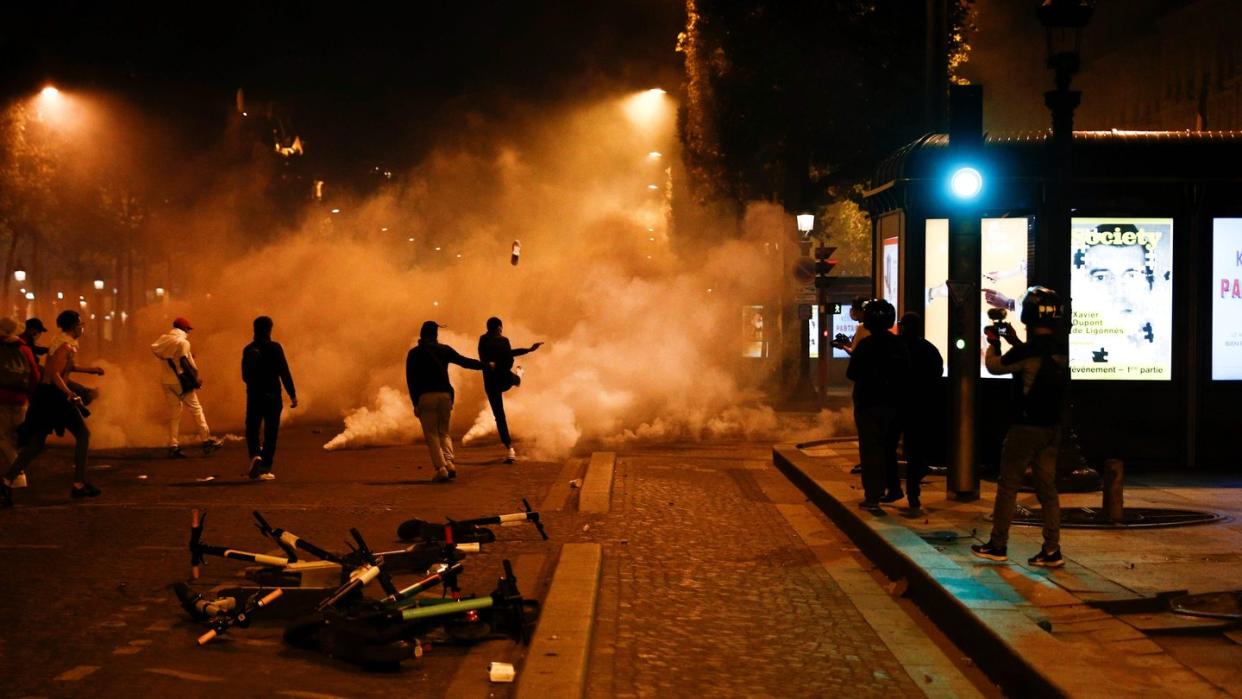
[707, 590]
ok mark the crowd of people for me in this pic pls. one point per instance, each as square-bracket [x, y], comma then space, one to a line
[39, 397]
[895, 376]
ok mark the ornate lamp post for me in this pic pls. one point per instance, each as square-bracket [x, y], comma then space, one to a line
[1064, 21]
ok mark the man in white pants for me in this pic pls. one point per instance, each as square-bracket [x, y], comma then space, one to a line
[172, 349]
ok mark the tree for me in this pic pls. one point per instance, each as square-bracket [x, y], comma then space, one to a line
[27, 171]
[787, 101]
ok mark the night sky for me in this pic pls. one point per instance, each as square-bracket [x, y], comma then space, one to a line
[359, 85]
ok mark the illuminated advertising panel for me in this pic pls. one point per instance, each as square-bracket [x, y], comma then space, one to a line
[890, 285]
[1122, 289]
[812, 335]
[842, 324]
[1001, 285]
[1227, 299]
[753, 342]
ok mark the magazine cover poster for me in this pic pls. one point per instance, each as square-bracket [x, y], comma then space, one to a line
[1227, 300]
[1122, 288]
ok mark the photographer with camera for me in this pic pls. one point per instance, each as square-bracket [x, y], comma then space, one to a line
[55, 407]
[1040, 368]
[880, 370]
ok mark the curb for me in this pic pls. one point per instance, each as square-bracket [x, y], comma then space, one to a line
[1006, 644]
[556, 665]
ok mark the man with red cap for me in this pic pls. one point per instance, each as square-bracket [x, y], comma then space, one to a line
[180, 382]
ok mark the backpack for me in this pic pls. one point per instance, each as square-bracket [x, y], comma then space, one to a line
[14, 369]
[1045, 402]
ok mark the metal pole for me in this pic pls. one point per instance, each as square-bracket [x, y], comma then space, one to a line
[825, 349]
[965, 248]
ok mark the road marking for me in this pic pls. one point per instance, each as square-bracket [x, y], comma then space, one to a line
[193, 677]
[75, 674]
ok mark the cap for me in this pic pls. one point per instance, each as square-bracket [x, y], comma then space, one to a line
[35, 324]
[430, 330]
[182, 323]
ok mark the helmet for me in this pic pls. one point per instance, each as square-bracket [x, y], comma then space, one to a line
[1041, 307]
[879, 315]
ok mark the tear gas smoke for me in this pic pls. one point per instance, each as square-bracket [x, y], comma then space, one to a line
[637, 347]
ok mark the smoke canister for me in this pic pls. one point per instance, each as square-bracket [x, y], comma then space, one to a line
[517, 252]
[501, 672]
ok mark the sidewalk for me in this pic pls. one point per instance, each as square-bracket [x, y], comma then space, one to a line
[1033, 630]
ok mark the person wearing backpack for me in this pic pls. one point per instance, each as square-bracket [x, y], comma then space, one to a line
[180, 380]
[880, 369]
[1040, 368]
[498, 376]
[54, 407]
[264, 370]
[19, 374]
[427, 378]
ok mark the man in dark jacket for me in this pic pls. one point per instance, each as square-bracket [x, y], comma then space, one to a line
[426, 377]
[30, 336]
[497, 356]
[264, 369]
[1040, 367]
[920, 410]
[880, 370]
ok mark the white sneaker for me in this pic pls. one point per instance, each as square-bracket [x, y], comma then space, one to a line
[511, 457]
[267, 476]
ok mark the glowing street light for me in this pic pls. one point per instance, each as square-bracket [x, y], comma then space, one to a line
[806, 224]
[336, 211]
[653, 187]
[19, 274]
[647, 108]
[49, 93]
[30, 296]
[159, 291]
[99, 285]
[655, 155]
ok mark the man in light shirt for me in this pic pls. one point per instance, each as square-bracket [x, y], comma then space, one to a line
[179, 381]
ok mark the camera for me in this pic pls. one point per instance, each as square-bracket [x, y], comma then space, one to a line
[999, 327]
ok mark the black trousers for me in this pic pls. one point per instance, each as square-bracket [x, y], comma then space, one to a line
[496, 398]
[878, 431]
[263, 412]
[915, 445]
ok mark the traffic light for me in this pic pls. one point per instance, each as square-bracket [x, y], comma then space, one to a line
[966, 183]
[823, 266]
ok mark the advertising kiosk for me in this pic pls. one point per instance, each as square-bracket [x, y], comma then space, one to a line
[1155, 261]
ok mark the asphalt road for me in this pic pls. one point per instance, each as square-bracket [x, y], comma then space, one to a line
[87, 608]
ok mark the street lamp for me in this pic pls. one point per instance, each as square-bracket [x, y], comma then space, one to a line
[98, 311]
[806, 224]
[1064, 22]
[19, 274]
